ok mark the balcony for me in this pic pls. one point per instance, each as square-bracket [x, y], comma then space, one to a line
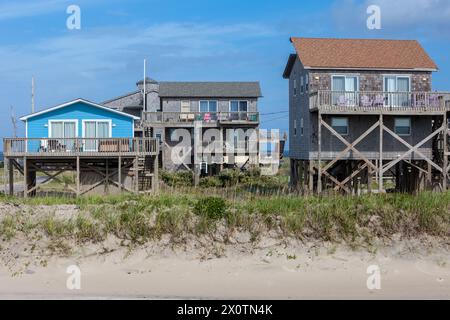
[206, 118]
[84, 147]
[376, 102]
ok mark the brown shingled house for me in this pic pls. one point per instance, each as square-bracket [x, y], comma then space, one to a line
[363, 110]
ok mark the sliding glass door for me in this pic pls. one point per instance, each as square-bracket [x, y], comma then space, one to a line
[94, 129]
[62, 134]
[397, 91]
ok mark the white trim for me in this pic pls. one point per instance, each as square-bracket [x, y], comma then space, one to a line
[50, 121]
[96, 121]
[24, 118]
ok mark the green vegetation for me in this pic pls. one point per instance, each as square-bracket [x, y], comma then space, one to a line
[356, 220]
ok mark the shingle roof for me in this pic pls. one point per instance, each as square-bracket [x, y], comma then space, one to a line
[210, 89]
[363, 54]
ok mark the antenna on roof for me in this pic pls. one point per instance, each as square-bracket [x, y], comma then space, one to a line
[32, 94]
[145, 82]
[14, 122]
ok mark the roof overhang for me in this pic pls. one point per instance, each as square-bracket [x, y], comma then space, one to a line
[289, 65]
[25, 118]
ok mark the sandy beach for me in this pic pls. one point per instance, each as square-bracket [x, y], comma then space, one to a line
[269, 270]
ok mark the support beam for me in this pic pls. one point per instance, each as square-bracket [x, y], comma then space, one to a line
[136, 175]
[11, 176]
[380, 161]
[25, 177]
[445, 164]
[155, 178]
[369, 179]
[311, 176]
[119, 173]
[78, 177]
[319, 151]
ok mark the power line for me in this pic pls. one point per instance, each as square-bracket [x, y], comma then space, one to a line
[278, 112]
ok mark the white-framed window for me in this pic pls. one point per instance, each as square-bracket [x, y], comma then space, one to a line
[340, 125]
[301, 126]
[295, 127]
[402, 126]
[238, 106]
[208, 106]
[295, 87]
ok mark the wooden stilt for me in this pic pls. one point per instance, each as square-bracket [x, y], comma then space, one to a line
[445, 151]
[106, 176]
[369, 179]
[380, 161]
[119, 173]
[25, 177]
[319, 155]
[311, 176]
[136, 175]
[78, 177]
[155, 179]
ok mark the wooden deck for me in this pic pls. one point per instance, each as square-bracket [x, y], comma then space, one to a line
[79, 147]
[211, 119]
[376, 102]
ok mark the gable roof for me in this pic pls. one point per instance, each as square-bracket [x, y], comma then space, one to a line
[24, 118]
[210, 89]
[378, 54]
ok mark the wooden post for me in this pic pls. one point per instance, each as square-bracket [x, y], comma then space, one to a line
[78, 177]
[380, 163]
[136, 175]
[429, 176]
[11, 177]
[445, 151]
[25, 178]
[311, 176]
[155, 179]
[5, 174]
[119, 173]
[319, 151]
[107, 175]
[369, 179]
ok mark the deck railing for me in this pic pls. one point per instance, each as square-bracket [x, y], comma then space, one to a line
[206, 117]
[79, 146]
[377, 100]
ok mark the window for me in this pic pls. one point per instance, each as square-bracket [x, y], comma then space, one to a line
[344, 90]
[64, 130]
[238, 110]
[208, 106]
[306, 83]
[397, 90]
[302, 81]
[295, 127]
[402, 126]
[295, 87]
[158, 137]
[301, 126]
[340, 125]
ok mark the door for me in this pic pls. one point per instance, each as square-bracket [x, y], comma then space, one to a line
[397, 91]
[62, 134]
[93, 131]
[345, 90]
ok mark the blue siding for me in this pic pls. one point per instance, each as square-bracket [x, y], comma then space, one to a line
[37, 126]
[122, 126]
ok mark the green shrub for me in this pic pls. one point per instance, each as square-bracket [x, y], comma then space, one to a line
[210, 182]
[177, 179]
[229, 177]
[211, 207]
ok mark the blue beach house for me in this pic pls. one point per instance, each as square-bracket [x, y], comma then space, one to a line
[55, 129]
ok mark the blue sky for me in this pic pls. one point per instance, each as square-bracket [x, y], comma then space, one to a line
[196, 40]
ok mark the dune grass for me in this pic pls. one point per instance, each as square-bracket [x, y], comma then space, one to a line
[141, 218]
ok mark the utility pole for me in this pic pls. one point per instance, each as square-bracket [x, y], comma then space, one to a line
[14, 123]
[32, 95]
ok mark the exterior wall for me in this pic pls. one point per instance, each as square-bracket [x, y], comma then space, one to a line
[38, 126]
[299, 144]
[358, 124]
[369, 80]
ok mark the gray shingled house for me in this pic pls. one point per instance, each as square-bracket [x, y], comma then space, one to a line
[363, 110]
[183, 105]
